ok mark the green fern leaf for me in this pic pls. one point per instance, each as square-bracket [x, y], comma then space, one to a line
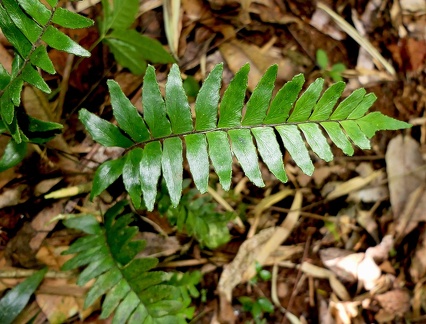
[16, 299]
[127, 117]
[208, 100]
[177, 106]
[230, 110]
[69, 19]
[296, 120]
[13, 154]
[58, 40]
[131, 171]
[172, 167]
[120, 15]
[41, 59]
[106, 174]
[258, 104]
[154, 106]
[26, 24]
[52, 3]
[104, 132]
[133, 291]
[197, 216]
[4, 77]
[36, 10]
[13, 33]
[150, 171]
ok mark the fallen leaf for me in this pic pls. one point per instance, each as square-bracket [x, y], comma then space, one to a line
[58, 309]
[358, 266]
[257, 248]
[12, 196]
[404, 168]
[418, 262]
[345, 312]
[237, 53]
[352, 185]
[395, 302]
[318, 272]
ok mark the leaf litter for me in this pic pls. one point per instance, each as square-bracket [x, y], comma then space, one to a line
[368, 249]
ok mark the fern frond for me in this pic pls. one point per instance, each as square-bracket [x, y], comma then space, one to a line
[133, 292]
[157, 141]
[30, 26]
[196, 216]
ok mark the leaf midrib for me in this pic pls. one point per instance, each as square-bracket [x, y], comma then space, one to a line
[227, 129]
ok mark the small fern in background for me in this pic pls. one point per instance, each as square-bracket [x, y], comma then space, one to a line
[130, 49]
[154, 142]
[197, 216]
[30, 27]
[109, 254]
[334, 71]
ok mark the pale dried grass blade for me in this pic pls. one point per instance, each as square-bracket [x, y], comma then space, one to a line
[352, 185]
[264, 204]
[321, 273]
[364, 43]
[172, 24]
[280, 234]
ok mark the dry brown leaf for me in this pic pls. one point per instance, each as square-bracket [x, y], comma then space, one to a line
[358, 266]
[52, 256]
[418, 263]
[321, 21]
[342, 262]
[257, 248]
[395, 302]
[57, 308]
[45, 185]
[414, 212]
[353, 185]
[405, 172]
[280, 234]
[12, 196]
[237, 53]
[265, 203]
[283, 253]
[233, 273]
[368, 222]
[345, 312]
[159, 245]
[21, 249]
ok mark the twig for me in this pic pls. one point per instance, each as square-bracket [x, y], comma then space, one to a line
[299, 273]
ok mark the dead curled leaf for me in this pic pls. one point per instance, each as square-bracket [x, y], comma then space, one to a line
[353, 184]
[361, 267]
[407, 176]
[237, 53]
[257, 248]
[404, 168]
[394, 303]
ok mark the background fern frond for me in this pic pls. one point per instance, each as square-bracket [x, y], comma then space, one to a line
[197, 216]
[166, 132]
[29, 26]
[134, 292]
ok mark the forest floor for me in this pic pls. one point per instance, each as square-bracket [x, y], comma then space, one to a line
[354, 248]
